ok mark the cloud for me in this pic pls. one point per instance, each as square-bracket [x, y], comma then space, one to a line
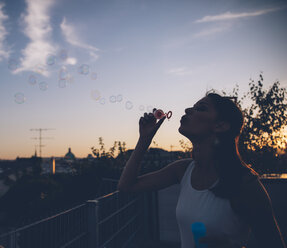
[94, 55]
[4, 52]
[231, 16]
[180, 71]
[72, 38]
[212, 31]
[71, 61]
[37, 28]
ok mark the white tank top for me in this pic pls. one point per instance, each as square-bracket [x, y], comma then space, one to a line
[203, 206]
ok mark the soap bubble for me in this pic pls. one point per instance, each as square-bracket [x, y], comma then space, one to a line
[94, 76]
[141, 107]
[19, 98]
[63, 73]
[129, 105]
[63, 54]
[13, 64]
[95, 94]
[84, 69]
[50, 59]
[113, 99]
[43, 86]
[62, 83]
[119, 98]
[39, 68]
[102, 101]
[32, 79]
[149, 108]
[70, 79]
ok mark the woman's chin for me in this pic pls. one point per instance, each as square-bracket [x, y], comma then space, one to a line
[185, 134]
[180, 130]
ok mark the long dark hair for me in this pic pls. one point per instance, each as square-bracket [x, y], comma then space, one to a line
[228, 162]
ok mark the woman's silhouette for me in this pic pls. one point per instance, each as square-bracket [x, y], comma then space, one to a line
[216, 186]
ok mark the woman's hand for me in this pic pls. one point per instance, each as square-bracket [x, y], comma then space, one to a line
[218, 242]
[148, 125]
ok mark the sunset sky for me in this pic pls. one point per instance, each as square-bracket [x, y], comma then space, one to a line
[63, 64]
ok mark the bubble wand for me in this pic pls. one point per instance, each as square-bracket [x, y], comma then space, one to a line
[159, 114]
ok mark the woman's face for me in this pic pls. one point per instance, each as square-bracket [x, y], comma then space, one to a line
[199, 121]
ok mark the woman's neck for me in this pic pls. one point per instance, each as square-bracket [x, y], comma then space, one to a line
[203, 156]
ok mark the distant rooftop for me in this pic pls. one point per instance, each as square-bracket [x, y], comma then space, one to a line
[69, 155]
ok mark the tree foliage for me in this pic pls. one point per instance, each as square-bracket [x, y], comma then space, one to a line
[118, 149]
[186, 146]
[262, 138]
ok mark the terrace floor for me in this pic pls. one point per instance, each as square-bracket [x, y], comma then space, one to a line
[163, 244]
[155, 244]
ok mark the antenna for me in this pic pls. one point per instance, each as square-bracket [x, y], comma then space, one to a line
[40, 130]
[171, 147]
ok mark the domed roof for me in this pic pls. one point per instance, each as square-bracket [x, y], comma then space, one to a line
[69, 155]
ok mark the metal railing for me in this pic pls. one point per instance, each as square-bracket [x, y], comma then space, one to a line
[116, 219]
[65, 229]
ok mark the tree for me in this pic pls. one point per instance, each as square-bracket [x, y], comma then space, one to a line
[186, 147]
[262, 136]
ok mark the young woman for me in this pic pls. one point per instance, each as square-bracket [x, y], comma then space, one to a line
[216, 186]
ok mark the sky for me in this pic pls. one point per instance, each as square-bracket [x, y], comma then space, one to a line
[88, 69]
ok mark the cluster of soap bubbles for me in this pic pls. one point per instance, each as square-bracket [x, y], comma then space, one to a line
[117, 98]
[32, 80]
[84, 69]
[96, 95]
[64, 77]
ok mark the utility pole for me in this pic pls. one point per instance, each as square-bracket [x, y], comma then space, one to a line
[40, 130]
[171, 146]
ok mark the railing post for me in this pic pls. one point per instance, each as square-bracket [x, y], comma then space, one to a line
[14, 239]
[152, 216]
[143, 234]
[146, 215]
[93, 230]
[156, 215]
